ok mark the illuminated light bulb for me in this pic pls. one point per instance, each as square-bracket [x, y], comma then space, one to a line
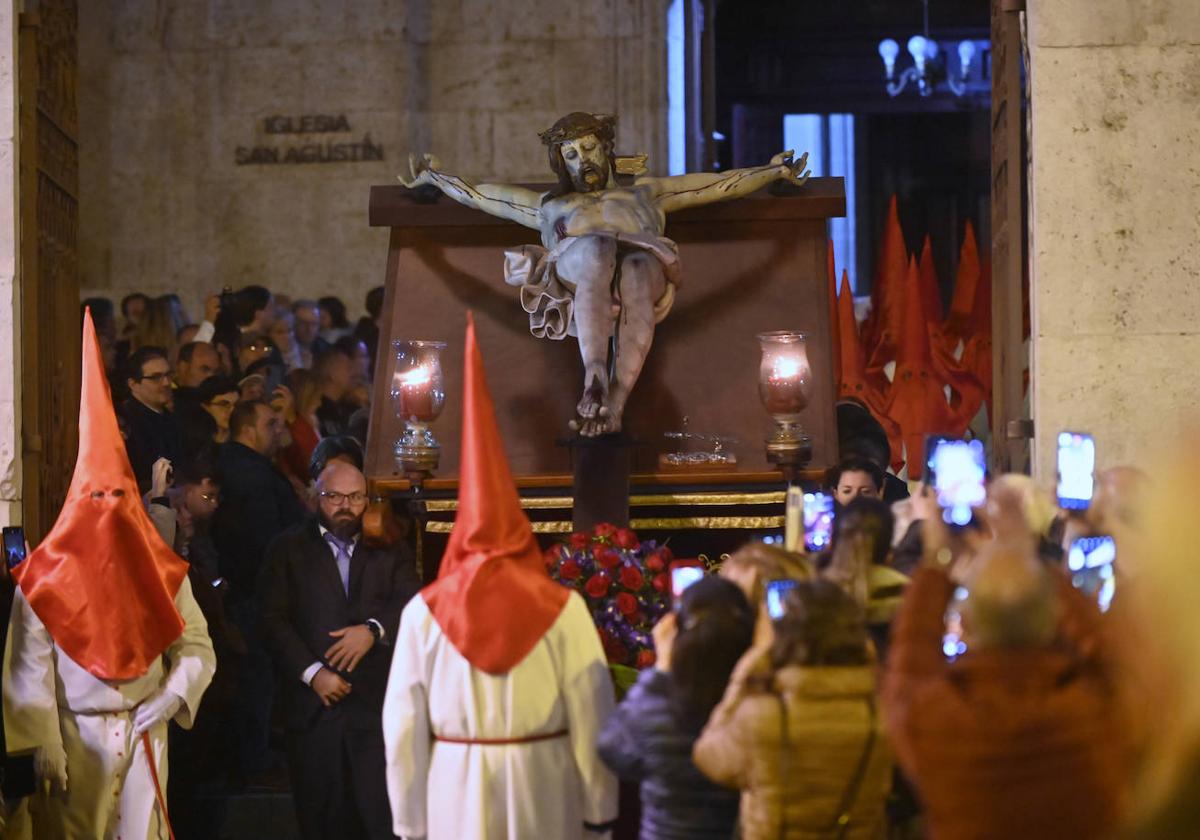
[888, 50]
[966, 53]
[917, 48]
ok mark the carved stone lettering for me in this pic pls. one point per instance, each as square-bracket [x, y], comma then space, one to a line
[362, 151]
[306, 124]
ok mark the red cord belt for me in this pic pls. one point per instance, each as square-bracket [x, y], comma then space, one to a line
[501, 742]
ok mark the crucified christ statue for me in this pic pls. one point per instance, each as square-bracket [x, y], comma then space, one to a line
[606, 273]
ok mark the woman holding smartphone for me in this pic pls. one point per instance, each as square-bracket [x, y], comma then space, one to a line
[650, 736]
[799, 734]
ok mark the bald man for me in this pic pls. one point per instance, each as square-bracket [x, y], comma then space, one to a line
[332, 606]
[1021, 735]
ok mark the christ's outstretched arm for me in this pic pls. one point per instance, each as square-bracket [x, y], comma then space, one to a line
[516, 204]
[679, 191]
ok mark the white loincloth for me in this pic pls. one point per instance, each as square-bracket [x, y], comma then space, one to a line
[550, 301]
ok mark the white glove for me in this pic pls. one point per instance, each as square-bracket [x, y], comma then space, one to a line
[50, 766]
[154, 710]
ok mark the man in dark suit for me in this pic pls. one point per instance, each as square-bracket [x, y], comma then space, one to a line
[331, 610]
[151, 431]
[257, 504]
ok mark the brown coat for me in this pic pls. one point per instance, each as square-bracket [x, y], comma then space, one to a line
[795, 792]
[1003, 744]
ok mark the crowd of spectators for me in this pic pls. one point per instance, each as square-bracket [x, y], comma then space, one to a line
[846, 715]
[228, 424]
[850, 715]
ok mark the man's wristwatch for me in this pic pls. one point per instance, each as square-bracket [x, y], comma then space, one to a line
[376, 629]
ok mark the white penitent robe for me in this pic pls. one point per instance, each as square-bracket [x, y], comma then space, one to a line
[545, 789]
[49, 698]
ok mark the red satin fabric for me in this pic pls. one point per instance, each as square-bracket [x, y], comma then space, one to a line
[493, 598]
[917, 401]
[931, 294]
[884, 326]
[966, 283]
[103, 581]
[852, 382]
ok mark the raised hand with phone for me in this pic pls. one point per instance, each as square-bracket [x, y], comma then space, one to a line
[1027, 644]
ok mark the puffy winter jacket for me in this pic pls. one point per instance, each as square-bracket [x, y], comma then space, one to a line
[795, 790]
[642, 742]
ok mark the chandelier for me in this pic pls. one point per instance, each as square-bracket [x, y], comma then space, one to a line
[928, 64]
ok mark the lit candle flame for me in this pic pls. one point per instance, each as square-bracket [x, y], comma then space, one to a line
[416, 376]
[785, 367]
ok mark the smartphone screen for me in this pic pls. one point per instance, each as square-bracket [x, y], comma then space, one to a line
[1076, 470]
[956, 469]
[1092, 562]
[684, 575]
[14, 546]
[818, 521]
[776, 590]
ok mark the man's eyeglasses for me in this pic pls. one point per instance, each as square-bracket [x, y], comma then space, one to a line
[155, 377]
[211, 498]
[221, 403]
[341, 498]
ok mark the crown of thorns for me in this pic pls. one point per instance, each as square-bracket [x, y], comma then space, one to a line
[579, 124]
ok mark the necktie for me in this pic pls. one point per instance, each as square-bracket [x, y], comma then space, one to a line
[342, 549]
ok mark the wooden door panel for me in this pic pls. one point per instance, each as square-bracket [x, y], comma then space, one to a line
[49, 268]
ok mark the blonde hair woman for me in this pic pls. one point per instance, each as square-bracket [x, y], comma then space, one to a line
[160, 325]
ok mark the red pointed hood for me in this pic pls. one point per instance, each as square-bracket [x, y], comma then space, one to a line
[103, 581]
[951, 337]
[493, 598]
[882, 329]
[966, 283]
[835, 340]
[853, 383]
[916, 401]
[914, 340]
[931, 290]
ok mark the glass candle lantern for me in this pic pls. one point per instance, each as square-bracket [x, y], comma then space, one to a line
[418, 394]
[784, 375]
[784, 386]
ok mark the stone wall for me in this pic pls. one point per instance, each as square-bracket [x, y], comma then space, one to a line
[170, 90]
[10, 297]
[1115, 206]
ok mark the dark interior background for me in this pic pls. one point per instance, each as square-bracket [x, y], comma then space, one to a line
[777, 57]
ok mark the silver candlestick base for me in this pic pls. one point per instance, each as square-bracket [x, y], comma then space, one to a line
[789, 449]
[417, 450]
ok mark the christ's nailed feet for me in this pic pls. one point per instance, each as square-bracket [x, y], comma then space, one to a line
[604, 423]
[591, 404]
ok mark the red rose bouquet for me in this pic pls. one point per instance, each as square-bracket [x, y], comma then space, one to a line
[626, 585]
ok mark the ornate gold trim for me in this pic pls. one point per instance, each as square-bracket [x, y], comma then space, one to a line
[531, 503]
[709, 499]
[433, 526]
[681, 523]
[681, 499]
